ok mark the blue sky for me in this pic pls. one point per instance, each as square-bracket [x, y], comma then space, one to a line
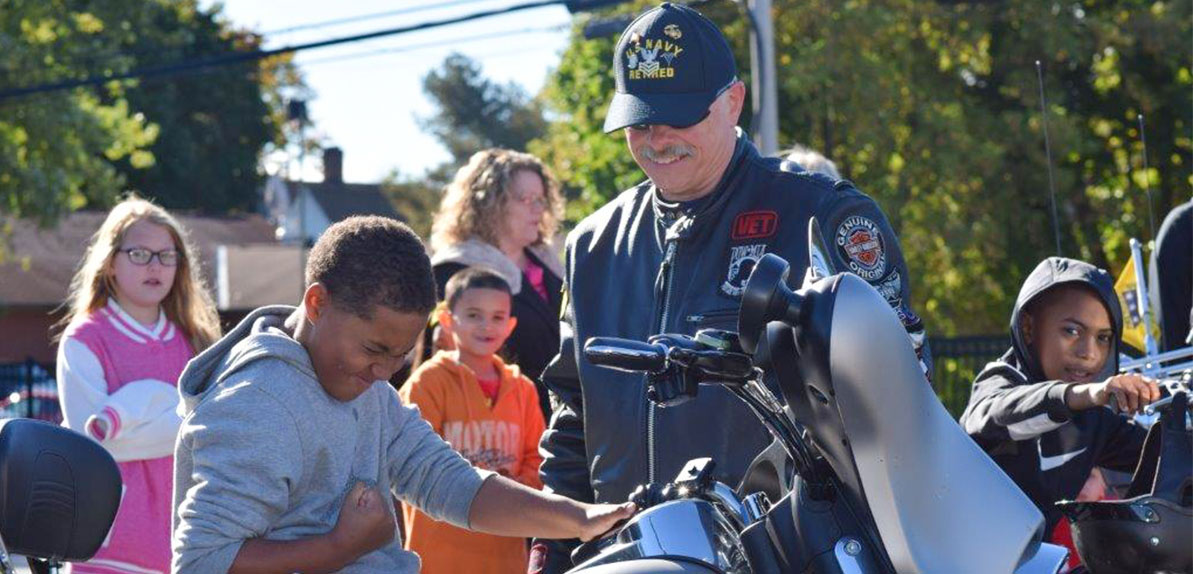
[368, 105]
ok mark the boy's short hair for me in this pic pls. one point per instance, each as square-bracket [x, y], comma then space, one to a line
[365, 261]
[473, 278]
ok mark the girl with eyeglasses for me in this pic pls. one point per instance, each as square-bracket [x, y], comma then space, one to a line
[137, 312]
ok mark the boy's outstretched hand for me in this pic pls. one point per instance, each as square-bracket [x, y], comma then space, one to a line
[507, 508]
[365, 524]
[1132, 392]
[600, 518]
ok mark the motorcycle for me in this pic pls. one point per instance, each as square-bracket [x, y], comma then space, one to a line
[1150, 529]
[869, 472]
[59, 492]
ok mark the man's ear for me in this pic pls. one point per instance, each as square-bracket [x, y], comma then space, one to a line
[513, 322]
[314, 301]
[1027, 327]
[736, 99]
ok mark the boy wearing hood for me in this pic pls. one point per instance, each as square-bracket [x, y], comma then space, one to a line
[292, 442]
[1041, 411]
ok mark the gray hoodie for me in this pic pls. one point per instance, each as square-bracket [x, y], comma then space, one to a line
[265, 452]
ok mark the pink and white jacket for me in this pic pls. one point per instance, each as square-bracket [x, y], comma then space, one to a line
[117, 383]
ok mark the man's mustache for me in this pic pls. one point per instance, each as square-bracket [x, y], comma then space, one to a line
[670, 152]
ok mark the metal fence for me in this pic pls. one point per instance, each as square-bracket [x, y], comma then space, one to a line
[28, 390]
[957, 361]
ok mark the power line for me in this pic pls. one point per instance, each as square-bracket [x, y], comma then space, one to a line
[435, 5]
[242, 57]
[413, 47]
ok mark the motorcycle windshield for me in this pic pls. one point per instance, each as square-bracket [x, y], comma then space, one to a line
[939, 503]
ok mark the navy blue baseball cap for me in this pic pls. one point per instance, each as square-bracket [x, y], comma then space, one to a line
[670, 64]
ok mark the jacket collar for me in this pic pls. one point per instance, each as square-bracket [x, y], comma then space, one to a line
[743, 153]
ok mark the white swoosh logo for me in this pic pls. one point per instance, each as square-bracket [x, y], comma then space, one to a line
[1050, 462]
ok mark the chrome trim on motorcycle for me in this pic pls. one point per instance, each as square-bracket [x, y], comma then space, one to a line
[757, 505]
[846, 551]
[6, 566]
[694, 530]
[727, 498]
[1142, 362]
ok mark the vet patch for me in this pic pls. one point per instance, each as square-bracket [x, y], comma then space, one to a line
[754, 225]
[742, 260]
[862, 247]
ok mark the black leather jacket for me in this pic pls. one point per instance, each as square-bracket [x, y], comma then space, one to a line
[634, 269]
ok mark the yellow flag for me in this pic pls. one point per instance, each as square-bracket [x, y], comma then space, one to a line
[1128, 299]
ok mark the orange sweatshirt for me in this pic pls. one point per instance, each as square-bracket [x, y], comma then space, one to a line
[503, 438]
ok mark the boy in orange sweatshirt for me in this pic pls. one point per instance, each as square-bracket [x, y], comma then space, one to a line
[489, 413]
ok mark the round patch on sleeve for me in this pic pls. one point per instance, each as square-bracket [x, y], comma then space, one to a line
[861, 245]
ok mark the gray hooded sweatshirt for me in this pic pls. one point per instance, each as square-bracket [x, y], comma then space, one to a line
[265, 452]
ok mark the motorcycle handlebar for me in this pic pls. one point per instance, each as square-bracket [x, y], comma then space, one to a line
[626, 354]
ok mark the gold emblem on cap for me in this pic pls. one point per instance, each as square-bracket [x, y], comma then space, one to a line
[672, 31]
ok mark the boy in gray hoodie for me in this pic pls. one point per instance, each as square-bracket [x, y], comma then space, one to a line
[292, 441]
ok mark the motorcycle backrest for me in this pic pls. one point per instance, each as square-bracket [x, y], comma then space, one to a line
[939, 502]
[59, 491]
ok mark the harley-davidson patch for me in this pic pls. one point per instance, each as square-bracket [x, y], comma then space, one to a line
[741, 262]
[862, 247]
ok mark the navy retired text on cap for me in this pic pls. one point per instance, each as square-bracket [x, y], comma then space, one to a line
[670, 64]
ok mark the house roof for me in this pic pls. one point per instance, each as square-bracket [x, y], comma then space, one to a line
[40, 263]
[342, 200]
[251, 276]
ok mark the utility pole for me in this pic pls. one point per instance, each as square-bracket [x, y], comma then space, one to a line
[764, 81]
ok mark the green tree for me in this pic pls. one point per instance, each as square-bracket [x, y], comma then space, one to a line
[190, 140]
[475, 112]
[57, 149]
[414, 198]
[933, 110]
[213, 124]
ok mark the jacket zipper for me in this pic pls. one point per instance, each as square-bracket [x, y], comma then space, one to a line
[674, 233]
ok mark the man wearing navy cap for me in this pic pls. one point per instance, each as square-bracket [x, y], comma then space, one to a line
[672, 254]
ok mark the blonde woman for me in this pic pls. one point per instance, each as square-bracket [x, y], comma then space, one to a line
[137, 312]
[500, 213]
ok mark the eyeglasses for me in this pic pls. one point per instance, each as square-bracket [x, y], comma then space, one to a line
[537, 201]
[142, 256]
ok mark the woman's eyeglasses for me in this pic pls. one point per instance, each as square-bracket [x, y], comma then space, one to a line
[142, 256]
[537, 201]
